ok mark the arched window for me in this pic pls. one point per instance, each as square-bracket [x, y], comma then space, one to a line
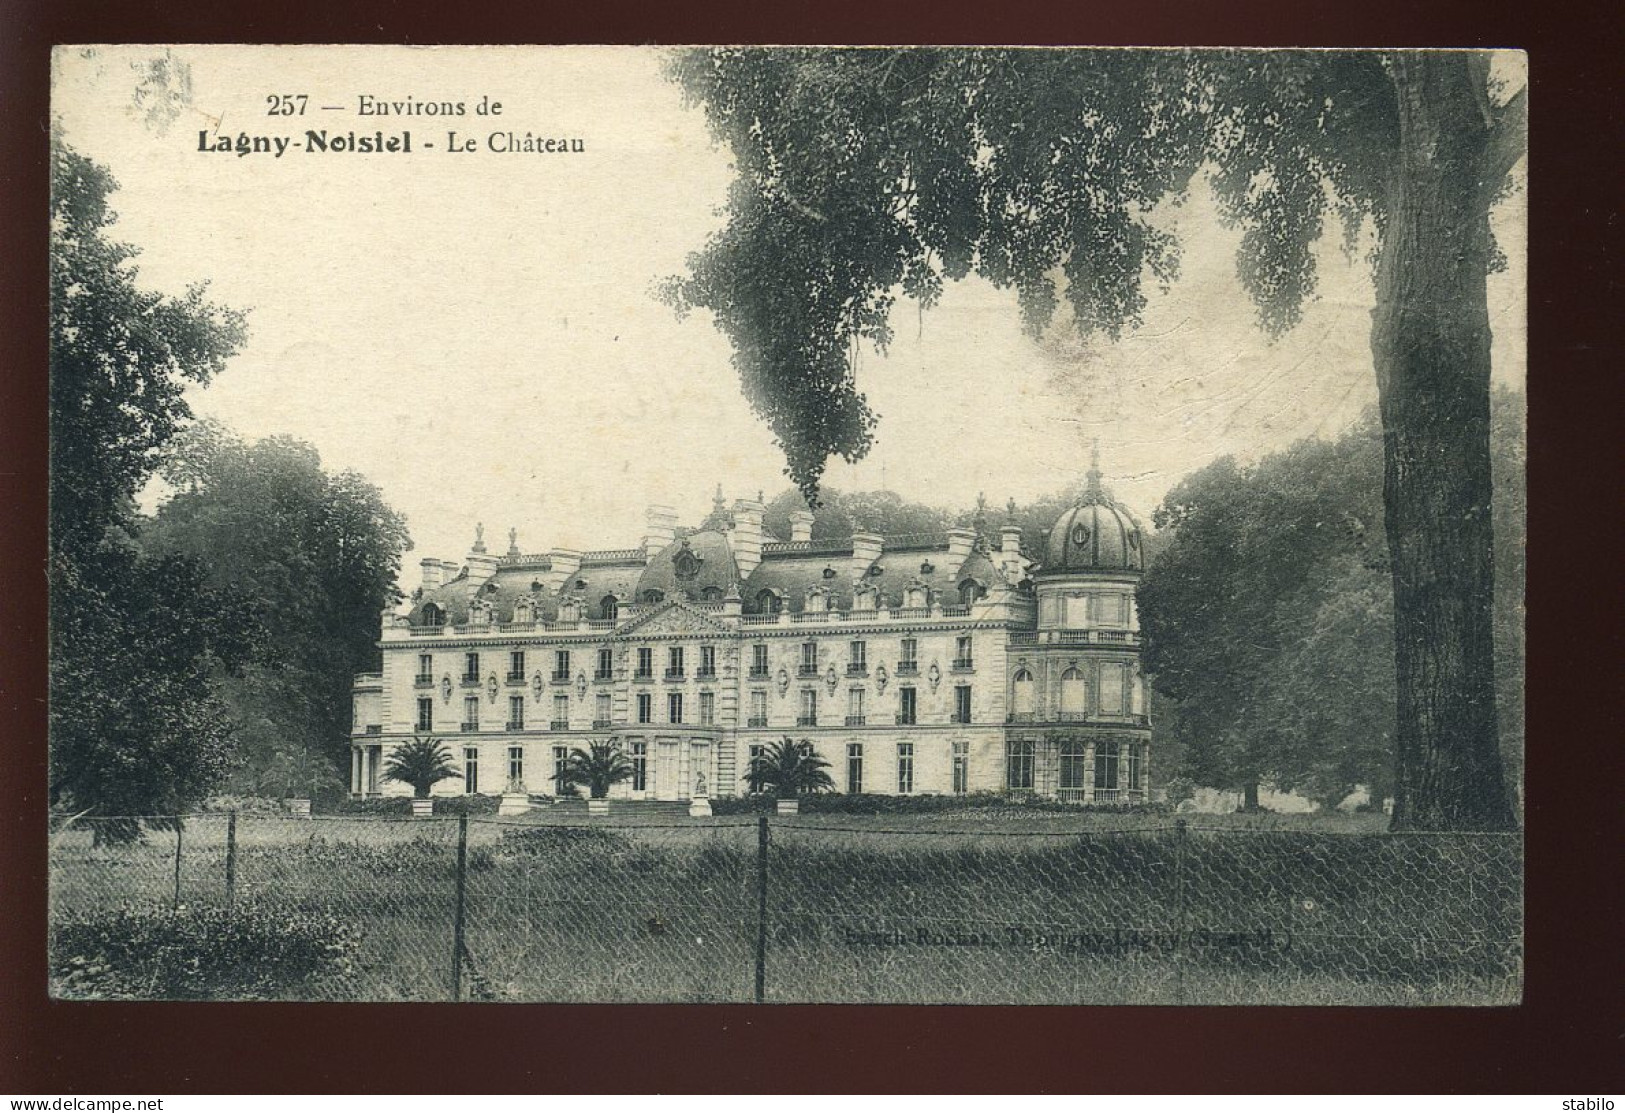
[653, 595]
[1073, 699]
[711, 594]
[433, 615]
[607, 606]
[970, 591]
[768, 603]
[1021, 702]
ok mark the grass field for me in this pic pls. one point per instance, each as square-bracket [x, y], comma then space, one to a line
[976, 908]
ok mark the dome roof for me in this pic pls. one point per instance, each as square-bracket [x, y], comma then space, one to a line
[1099, 534]
[693, 567]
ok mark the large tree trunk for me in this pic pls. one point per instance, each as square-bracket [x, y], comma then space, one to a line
[1431, 344]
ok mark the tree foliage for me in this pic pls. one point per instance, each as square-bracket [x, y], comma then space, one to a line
[1268, 615]
[317, 554]
[788, 768]
[422, 763]
[137, 725]
[597, 768]
[838, 514]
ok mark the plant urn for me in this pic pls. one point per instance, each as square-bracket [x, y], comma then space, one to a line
[699, 806]
[791, 806]
[598, 805]
[514, 803]
[299, 806]
[422, 807]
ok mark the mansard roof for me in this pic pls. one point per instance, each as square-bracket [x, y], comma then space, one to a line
[792, 575]
[696, 561]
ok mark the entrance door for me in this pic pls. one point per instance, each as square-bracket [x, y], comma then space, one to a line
[1072, 771]
[666, 786]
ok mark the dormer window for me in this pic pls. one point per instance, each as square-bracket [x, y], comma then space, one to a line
[970, 591]
[769, 603]
[607, 606]
[433, 615]
[653, 596]
[711, 594]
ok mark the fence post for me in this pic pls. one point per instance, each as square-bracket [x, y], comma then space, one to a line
[1181, 837]
[761, 909]
[457, 923]
[231, 858]
[176, 903]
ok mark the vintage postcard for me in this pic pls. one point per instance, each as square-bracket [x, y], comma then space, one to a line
[905, 525]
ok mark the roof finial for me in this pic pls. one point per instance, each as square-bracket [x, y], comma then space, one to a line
[479, 537]
[1094, 468]
[513, 541]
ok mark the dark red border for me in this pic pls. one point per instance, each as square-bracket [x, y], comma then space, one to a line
[1565, 1038]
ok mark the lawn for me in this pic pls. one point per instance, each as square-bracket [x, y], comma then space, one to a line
[978, 908]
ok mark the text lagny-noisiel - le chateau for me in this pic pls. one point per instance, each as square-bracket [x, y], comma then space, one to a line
[380, 141]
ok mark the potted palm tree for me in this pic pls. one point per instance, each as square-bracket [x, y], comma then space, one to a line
[596, 769]
[788, 769]
[421, 763]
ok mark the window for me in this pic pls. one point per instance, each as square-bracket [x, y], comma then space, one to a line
[1136, 767]
[674, 662]
[768, 603]
[1018, 765]
[1073, 694]
[471, 769]
[962, 703]
[905, 767]
[646, 662]
[708, 708]
[970, 591]
[961, 753]
[1106, 766]
[674, 707]
[646, 713]
[600, 717]
[425, 668]
[516, 765]
[758, 708]
[653, 596]
[906, 708]
[471, 666]
[708, 661]
[854, 708]
[425, 715]
[809, 708]
[1072, 767]
[516, 665]
[1111, 690]
[606, 664]
[608, 606]
[516, 712]
[471, 713]
[561, 664]
[1021, 699]
[962, 654]
[910, 654]
[640, 766]
[857, 659]
[561, 764]
[809, 659]
[758, 660]
[854, 767]
[710, 594]
[433, 615]
[561, 712]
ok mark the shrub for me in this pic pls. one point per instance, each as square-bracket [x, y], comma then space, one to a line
[466, 805]
[391, 806]
[547, 838]
[258, 950]
[244, 805]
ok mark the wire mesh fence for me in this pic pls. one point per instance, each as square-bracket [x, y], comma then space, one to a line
[741, 909]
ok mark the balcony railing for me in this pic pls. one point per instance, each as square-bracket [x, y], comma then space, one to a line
[559, 676]
[758, 672]
[703, 673]
[676, 673]
[559, 724]
[423, 680]
[1108, 795]
[515, 724]
[469, 728]
[964, 664]
[470, 680]
[601, 675]
[1022, 717]
[856, 720]
[806, 670]
[757, 721]
[644, 676]
[602, 724]
[857, 668]
[806, 720]
[959, 717]
[908, 668]
[427, 631]
[515, 677]
[905, 719]
[375, 728]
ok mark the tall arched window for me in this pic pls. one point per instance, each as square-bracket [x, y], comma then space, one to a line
[608, 606]
[1021, 701]
[433, 615]
[768, 603]
[970, 591]
[1073, 698]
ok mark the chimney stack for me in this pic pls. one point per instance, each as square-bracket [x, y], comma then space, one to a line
[746, 536]
[481, 565]
[1010, 558]
[660, 529]
[432, 572]
[865, 551]
[801, 523]
[960, 541]
[564, 564]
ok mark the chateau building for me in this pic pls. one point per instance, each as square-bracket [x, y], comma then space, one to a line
[946, 664]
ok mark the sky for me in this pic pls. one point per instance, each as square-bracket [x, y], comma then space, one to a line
[478, 332]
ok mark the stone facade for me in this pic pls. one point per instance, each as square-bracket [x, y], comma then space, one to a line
[925, 664]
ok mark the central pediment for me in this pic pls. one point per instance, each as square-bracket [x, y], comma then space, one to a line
[676, 617]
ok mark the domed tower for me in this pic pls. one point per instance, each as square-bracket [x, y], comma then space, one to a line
[1078, 677]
